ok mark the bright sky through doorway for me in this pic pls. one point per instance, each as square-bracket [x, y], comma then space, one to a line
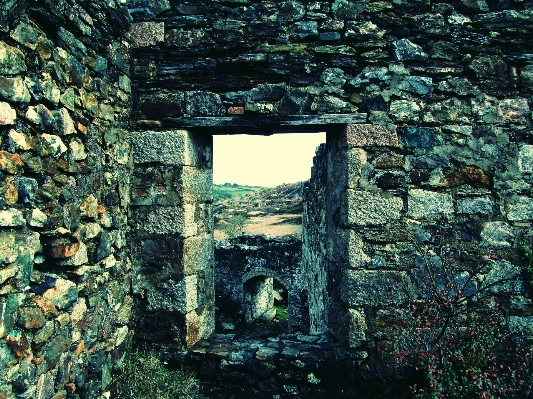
[266, 161]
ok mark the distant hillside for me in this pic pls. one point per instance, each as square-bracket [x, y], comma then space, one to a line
[228, 190]
[257, 210]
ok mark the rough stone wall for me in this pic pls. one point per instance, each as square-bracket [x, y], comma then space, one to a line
[247, 257]
[172, 238]
[314, 246]
[65, 98]
[441, 159]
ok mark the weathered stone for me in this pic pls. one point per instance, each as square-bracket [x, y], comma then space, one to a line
[521, 209]
[145, 34]
[365, 31]
[504, 277]
[370, 73]
[77, 150]
[89, 207]
[14, 89]
[405, 50]
[18, 341]
[64, 122]
[488, 65]
[305, 30]
[347, 10]
[53, 350]
[26, 35]
[11, 218]
[417, 84]
[180, 296]
[388, 161]
[526, 77]
[374, 288]
[63, 294]
[423, 204]
[52, 145]
[514, 110]
[176, 147]
[405, 110]
[420, 138]
[197, 253]
[482, 205]
[10, 163]
[452, 110]
[12, 60]
[363, 135]
[525, 158]
[30, 317]
[19, 140]
[8, 116]
[364, 208]
[497, 235]
[38, 218]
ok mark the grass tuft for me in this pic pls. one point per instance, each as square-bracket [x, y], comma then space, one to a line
[145, 376]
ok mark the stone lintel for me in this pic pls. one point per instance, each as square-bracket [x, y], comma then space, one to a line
[302, 123]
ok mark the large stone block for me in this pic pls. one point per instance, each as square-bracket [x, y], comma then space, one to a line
[171, 147]
[364, 208]
[521, 209]
[174, 296]
[347, 167]
[198, 253]
[481, 205]
[197, 185]
[374, 288]
[346, 249]
[348, 325]
[367, 135]
[199, 324]
[423, 204]
[167, 220]
[497, 235]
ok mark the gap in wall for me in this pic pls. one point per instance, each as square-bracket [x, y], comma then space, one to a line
[258, 183]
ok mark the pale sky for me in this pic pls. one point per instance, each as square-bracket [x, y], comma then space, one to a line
[266, 161]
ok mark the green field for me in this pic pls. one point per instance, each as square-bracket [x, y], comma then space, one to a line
[221, 192]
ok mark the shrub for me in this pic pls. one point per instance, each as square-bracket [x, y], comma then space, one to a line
[457, 342]
[145, 376]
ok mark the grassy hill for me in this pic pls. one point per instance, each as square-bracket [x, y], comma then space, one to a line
[257, 210]
[224, 191]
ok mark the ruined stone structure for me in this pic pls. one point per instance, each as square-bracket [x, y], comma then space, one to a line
[106, 118]
[245, 272]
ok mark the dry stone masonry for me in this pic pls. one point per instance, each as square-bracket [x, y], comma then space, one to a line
[65, 165]
[107, 110]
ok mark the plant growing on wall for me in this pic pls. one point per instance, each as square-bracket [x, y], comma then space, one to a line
[457, 341]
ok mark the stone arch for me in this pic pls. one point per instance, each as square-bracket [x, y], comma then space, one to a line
[267, 273]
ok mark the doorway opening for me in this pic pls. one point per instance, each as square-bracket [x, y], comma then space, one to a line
[258, 187]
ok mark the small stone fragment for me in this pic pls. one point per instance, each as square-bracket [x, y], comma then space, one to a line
[11, 218]
[8, 116]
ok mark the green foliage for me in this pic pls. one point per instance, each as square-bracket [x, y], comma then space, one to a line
[145, 377]
[281, 313]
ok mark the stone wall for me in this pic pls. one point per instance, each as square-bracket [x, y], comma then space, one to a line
[434, 154]
[172, 237]
[249, 257]
[315, 242]
[65, 98]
